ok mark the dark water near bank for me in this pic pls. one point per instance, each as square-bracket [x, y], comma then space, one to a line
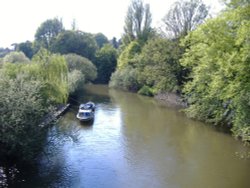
[134, 142]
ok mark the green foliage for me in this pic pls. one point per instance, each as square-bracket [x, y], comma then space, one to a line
[16, 57]
[236, 3]
[115, 43]
[77, 42]
[137, 22]
[27, 91]
[106, 60]
[49, 69]
[21, 110]
[156, 65]
[4, 51]
[159, 66]
[184, 16]
[145, 90]
[52, 71]
[125, 79]
[85, 66]
[129, 55]
[26, 48]
[75, 80]
[101, 40]
[219, 91]
[47, 32]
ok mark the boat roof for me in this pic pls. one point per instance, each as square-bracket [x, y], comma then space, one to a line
[85, 110]
[87, 105]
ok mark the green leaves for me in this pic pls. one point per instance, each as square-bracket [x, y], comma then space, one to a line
[106, 61]
[48, 31]
[84, 65]
[22, 107]
[218, 57]
[138, 22]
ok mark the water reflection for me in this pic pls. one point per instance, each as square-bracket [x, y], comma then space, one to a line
[135, 142]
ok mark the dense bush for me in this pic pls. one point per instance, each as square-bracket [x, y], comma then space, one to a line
[22, 107]
[16, 57]
[75, 80]
[27, 91]
[159, 66]
[84, 65]
[218, 55]
[106, 60]
[125, 79]
[145, 90]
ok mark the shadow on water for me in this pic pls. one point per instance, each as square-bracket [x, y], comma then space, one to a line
[133, 142]
[87, 124]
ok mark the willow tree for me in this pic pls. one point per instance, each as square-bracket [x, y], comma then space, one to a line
[137, 22]
[53, 72]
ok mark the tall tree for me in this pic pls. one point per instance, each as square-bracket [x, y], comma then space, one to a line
[52, 71]
[158, 65]
[100, 39]
[137, 22]
[48, 31]
[77, 42]
[106, 59]
[114, 43]
[184, 16]
[218, 55]
[26, 48]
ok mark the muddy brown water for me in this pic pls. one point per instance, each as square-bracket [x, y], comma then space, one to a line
[135, 142]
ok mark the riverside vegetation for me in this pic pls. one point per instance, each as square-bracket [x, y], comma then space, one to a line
[204, 61]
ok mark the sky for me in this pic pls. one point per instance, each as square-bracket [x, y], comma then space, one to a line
[20, 19]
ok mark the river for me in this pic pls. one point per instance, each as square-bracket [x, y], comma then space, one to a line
[135, 142]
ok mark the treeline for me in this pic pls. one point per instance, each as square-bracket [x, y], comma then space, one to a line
[38, 76]
[204, 60]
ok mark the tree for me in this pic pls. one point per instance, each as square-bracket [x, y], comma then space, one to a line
[52, 71]
[84, 65]
[21, 110]
[129, 55]
[16, 57]
[236, 3]
[125, 79]
[27, 92]
[75, 80]
[219, 88]
[100, 39]
[159, 66]
[4, 51]
[48, 31]
[106, 59]
[114, 43]
[184, 16]
[77, 42]
[26, 48]
[137, 22]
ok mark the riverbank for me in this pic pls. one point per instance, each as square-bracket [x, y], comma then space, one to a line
[171, 100]
[49, 118]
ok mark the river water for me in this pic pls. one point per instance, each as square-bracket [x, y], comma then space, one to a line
[135, 142]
